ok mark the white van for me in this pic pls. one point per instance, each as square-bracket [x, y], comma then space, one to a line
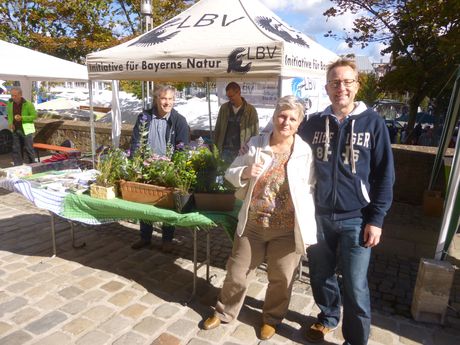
[6, 137]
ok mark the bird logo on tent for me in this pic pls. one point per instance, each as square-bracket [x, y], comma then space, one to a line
[155, 36]
[278, 28]
[235, 62]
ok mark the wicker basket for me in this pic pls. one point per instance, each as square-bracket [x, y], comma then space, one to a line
[147, 194]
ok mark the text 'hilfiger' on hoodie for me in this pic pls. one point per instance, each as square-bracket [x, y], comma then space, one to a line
[353, 162]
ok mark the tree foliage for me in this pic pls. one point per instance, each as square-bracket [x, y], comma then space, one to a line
[72, 29]
[422, 36]
[369, 91]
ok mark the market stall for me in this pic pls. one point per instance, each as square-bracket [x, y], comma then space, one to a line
[223, 40]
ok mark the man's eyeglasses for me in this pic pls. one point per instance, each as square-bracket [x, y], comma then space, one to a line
[336, 83]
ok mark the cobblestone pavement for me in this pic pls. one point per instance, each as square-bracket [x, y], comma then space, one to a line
[106, 293]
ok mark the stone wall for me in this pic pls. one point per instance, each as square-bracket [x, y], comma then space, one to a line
[413, 164]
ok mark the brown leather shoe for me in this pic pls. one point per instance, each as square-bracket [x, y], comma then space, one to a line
[140, 244]
[316, 333]
[267, 331]
[211, 322]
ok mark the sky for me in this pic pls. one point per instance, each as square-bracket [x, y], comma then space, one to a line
[307, 16]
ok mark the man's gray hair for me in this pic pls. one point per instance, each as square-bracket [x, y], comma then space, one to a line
[159, 89]
[290, 103]
[16, 88]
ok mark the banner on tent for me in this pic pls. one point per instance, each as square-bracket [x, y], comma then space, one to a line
[258, 92]
[310, 89]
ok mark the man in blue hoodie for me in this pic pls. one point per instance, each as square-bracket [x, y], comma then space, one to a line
[165, 127]
[354, 190]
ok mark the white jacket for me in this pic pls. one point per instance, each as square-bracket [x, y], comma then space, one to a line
[301, 179]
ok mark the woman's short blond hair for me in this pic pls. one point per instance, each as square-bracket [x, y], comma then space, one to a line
[290, 102]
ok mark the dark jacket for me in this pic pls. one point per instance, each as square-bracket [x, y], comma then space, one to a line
[177, 130]
[346, 190]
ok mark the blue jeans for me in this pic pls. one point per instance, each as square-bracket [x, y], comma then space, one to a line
[147, 230]
[347, 236]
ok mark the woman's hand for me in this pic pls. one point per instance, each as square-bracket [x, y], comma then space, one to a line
[252, 170]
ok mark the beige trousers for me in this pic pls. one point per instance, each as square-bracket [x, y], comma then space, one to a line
[249, 251]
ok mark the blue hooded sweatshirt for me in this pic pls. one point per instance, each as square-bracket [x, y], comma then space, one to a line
[346, 187]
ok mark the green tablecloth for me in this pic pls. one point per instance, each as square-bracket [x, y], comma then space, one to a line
[85, 209]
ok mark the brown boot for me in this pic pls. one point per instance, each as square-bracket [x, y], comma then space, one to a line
[316, 333]
[211, 322]
[267, 331]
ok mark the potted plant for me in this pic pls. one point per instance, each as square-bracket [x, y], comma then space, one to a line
[185, 179]
[109, 167]
[149, 179]
[212, 191]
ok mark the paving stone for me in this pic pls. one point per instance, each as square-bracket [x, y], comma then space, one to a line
[112, 286]
[166, 339]
[4, 328]
[37, 292]
[77, 326]
[55, 338]
[409, 334]
[245, 334]
[82, 271]
[196, 341]
[70, 292]
[115, 325]
[214, 335]
[89, 282]
[14, 266]
[166, 311]
[46, 322]
[24, 315]
[12, 305]
[254, 289]
[182, 328]
[148, 324]
[99, 313]
[94, 295]
[93, 338]
[381, 336]
[299, 303]
[151, 299]
[41, 277]
[134, 311]
[130, 338]
[16, 338]
[122, 298]
[49, 303]
[39, 267]
[74, 307]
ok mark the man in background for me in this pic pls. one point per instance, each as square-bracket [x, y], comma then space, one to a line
[237, 121]
[21, 116]
[166, 127]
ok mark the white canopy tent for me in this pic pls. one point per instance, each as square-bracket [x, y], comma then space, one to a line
[220, 40]
[27, 65]
[214, 39]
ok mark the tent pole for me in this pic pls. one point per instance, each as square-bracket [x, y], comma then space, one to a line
[208, 96]
[91, 123]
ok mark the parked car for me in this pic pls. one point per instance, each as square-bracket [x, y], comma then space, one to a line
[6, 137]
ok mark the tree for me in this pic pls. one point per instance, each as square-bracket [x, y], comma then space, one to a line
[72, 29]
[67, 29]
[369, 90]
[422, 36]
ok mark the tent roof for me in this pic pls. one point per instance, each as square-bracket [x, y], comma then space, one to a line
[19, 63]
[214, 39]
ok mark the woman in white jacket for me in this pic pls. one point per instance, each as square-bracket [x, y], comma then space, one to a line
[276, 221]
